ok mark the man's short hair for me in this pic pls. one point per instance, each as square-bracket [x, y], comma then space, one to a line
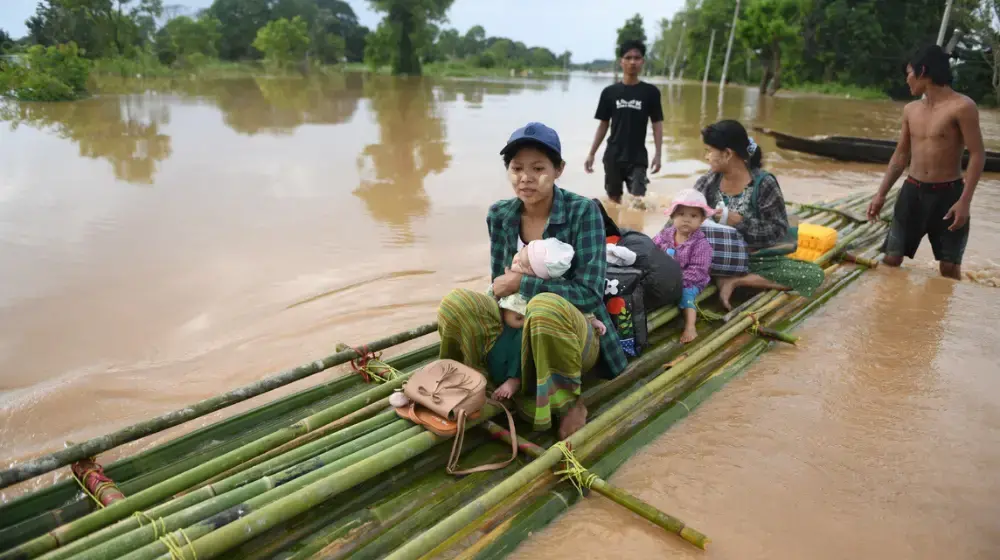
[629, 45]
[932, 61]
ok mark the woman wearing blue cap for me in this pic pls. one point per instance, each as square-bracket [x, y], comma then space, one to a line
[558, 344]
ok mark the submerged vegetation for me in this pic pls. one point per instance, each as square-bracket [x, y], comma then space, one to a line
[56, 73]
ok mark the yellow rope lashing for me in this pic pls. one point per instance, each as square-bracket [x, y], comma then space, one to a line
[575, 471]
[159, 525]
[176, 547]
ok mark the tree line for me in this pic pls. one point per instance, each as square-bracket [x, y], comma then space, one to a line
[280, 31]
[862, 43]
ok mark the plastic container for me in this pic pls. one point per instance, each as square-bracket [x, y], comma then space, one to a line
[814, 241]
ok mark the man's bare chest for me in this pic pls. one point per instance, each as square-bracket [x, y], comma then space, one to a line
[935, 125]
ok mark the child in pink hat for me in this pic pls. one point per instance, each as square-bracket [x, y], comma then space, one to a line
[686, 243]
[549, 258]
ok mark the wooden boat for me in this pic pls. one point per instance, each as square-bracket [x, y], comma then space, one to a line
[331, 471]
[854, 148]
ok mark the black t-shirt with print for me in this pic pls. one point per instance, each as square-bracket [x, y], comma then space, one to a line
[629, 107]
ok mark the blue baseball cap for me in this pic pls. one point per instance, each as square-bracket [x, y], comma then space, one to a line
[533, 132]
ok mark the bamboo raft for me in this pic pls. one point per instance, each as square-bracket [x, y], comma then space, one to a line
[332, 472]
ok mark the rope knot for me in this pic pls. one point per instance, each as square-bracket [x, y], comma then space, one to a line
[574, 471]
[360, 364]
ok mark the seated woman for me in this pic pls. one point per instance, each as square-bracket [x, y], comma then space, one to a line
[558, 344]
[760, 217]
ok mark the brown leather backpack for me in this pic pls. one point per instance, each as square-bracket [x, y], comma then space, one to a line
[443, 394]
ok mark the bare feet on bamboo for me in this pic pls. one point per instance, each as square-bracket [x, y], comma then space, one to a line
[575, 419]
[690, 333]
[726, 286]
[507, 390]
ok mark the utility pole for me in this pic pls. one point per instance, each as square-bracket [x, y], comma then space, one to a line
[956, 36]
[729, 49]
[944, 22]
[708, 59]
[677, 55]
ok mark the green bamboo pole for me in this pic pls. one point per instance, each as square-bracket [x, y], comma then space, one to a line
[95, 446]
[616, 495]
[333, 447]
[280, 541]
[850, 216]
[258, 521]
[150, 496]
[46, 509]
[351, 419]
[192, 523]
[392, 523]
[649, 363]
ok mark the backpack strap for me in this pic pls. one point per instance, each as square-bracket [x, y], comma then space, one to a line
[758, 178]
[456, 445]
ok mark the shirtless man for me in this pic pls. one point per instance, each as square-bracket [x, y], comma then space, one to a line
[934, 200]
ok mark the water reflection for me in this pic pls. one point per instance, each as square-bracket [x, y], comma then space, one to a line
[474, 92]
[411, 146]
[124, 130]
[280, 105]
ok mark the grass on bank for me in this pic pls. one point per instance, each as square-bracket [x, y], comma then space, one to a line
[840, 90]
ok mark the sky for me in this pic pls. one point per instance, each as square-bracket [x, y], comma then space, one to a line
[587, 28]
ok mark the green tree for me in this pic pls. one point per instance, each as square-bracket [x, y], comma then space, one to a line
[283, 42]
[450, 43]
[128, 23]
[240, 21]
[6, 41]
[541, 57]
[768, 27]
[56, 73]
[633, 30]
[986, 42]
[565, 59]
[186, 41]
[474, 41]
[405, 23]
[501, 51]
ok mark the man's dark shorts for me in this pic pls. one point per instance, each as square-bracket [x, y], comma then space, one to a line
[920, 211]
[632, 175]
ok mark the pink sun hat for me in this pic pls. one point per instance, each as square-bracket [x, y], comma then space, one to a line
[693, 199]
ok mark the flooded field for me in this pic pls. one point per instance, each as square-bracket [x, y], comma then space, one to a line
[161, 243]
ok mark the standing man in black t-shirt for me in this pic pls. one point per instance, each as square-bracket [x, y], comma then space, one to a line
[627, 105]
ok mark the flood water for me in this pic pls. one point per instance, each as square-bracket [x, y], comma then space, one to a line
[161, 243]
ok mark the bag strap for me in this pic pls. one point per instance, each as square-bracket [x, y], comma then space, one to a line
[456, 445]
[758, 177]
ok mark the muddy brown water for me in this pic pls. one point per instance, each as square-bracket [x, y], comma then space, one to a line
[162, 243]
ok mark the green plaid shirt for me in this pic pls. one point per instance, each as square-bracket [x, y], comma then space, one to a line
[575, 220]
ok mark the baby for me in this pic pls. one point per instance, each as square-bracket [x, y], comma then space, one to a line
[549, 258]
[546, 258]
[686, 243]
[504, 358]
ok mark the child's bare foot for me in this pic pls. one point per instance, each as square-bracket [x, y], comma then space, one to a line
[575, 419]
[726, 286]
[690, 333]
[508, 389]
